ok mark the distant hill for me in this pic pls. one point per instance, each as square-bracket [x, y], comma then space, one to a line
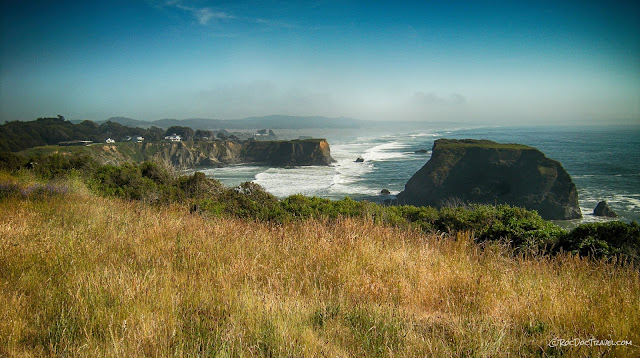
[274, 122]
[129, 122]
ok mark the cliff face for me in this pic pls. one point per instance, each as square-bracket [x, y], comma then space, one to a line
[485, 172]
[189, 155]
[288, 153]
[220, 153]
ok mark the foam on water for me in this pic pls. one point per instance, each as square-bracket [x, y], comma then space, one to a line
[433, 135]
[385, 151]
[233, 175]
[630, 202]
[308, 181]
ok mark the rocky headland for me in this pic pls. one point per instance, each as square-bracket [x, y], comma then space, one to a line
[183, 155]
[486, 172]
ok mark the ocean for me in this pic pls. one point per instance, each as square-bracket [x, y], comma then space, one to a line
[604, 162]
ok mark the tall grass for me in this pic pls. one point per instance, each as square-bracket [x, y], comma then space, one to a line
[83, 275]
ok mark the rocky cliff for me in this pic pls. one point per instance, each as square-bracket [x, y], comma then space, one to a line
[288, 153]
[219, 153]
[485, 172]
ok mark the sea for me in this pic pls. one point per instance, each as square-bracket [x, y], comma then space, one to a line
[603, 161]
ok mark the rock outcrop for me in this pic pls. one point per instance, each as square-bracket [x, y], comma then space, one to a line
[287, 153]
[193, 154]
[603, 209]
[485, 172]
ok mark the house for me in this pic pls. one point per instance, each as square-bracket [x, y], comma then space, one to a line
[173, 138]
[135, 139]
[109, 140]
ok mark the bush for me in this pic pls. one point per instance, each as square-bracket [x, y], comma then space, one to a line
[524, 229]
[155, 172]
[198, 186]
[125, 181]
[58, 165]
[601, 240]
[12, 161]
[248, 200]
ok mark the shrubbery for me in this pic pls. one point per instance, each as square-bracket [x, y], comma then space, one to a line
[602, 240]
[524, 230]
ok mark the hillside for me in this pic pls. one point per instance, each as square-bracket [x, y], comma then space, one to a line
[88, 275]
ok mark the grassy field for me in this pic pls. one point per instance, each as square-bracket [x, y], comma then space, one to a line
[83, 275]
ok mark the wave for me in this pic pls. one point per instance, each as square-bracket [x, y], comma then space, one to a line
[630, 202]
[233, 175]
[383, 152]
[426, 134]
[310, 181]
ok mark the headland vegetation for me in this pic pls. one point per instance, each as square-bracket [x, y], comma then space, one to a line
[137, 260]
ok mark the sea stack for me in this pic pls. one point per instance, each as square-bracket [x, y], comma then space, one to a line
[486, 172]
[603, 209]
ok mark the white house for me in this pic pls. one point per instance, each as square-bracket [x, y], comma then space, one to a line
[109, 140]
[173, 138]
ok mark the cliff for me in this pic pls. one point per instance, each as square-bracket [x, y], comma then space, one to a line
[485, 172]
[218, 153]
[288, 153]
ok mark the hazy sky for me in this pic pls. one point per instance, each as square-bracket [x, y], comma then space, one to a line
[506, 62]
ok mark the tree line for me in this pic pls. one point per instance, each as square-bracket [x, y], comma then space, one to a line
[19, 135]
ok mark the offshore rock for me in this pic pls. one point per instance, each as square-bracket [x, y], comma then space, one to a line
[603, 209]
[486, 172]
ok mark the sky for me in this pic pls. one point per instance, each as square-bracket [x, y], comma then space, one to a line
[496, 62]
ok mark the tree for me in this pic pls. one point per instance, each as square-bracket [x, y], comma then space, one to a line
[185, 132]
[203, 134]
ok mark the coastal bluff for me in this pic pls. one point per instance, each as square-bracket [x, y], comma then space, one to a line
[486, 172]
[183, 155]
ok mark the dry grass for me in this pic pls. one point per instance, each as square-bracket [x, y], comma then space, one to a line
[89, 276]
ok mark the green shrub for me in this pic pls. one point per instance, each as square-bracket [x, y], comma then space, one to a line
[59, 165]
[12, 161]
[198, 186]
[156, 173]
[125, 181]
[248, 200]
[524, 229]
[614, 238]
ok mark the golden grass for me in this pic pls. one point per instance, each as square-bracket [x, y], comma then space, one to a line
[88, 276]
